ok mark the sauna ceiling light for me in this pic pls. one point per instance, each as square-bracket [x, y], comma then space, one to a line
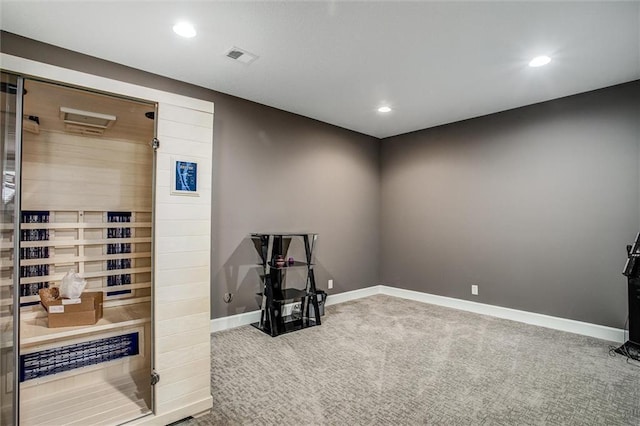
[384, 109]
[86, 122]
[539, 61]
[184, 29]
[86, 118]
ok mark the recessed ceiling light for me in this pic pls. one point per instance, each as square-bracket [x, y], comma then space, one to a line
[384, 109]
[539, 61]
[184, 29]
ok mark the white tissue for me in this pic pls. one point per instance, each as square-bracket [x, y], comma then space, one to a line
[72, 285]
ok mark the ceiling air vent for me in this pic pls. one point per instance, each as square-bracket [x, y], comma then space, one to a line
[241, 55]
[86, 122]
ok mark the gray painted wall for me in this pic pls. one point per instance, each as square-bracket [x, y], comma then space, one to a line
[279, 171]
[534, 205]
[272, 170]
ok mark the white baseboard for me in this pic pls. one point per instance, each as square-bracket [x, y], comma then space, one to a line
[233, 321]
[334, 299]
[541, 320]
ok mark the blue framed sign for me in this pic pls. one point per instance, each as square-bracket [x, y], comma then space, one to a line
[184, 177]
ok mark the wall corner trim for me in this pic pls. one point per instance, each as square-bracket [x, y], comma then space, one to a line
[540, 320]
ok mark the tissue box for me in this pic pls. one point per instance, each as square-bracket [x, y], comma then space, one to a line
[71, 312]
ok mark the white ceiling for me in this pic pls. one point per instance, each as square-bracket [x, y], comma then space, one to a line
[337, 61]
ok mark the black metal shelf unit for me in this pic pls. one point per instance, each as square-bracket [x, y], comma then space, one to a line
[272, 248]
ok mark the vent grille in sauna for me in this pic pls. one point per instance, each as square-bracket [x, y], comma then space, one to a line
[86, 122]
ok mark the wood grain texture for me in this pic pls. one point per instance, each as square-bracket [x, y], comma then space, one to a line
[130, 122]
[106, 401]
[35, 331]
[70, 172]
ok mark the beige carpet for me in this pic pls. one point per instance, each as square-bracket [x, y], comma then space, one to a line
[388, 361]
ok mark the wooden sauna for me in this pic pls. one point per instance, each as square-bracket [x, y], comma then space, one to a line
[95, 197]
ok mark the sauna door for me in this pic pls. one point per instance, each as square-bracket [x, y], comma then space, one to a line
[9, 159]
[86, 208]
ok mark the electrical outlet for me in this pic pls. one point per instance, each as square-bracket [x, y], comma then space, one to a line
[330, 284]
[474, 290]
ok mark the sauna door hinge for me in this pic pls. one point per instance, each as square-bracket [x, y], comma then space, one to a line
[155, 378]
[155, 143]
